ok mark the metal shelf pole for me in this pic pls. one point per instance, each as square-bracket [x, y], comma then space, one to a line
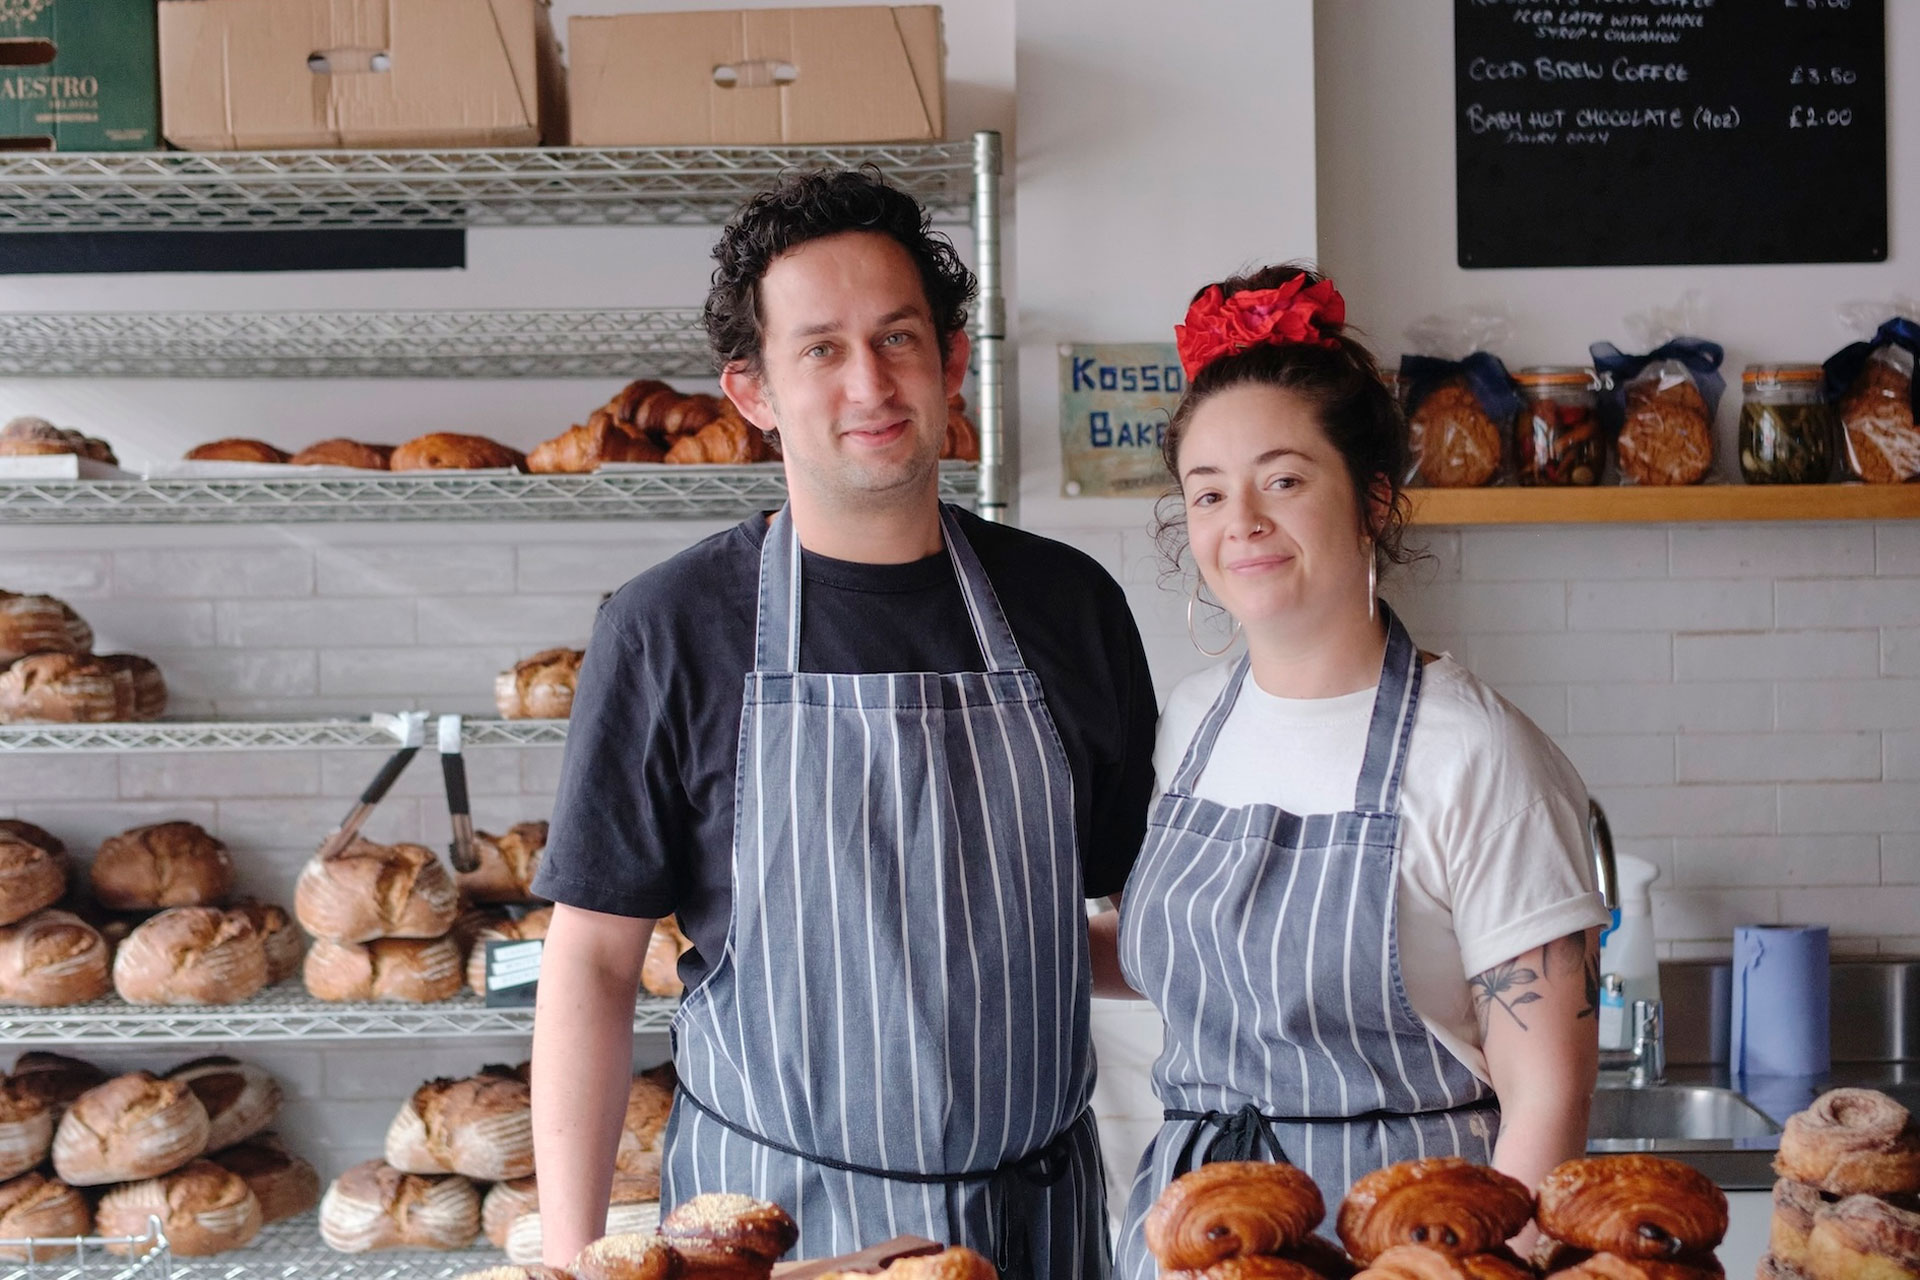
[990, 327]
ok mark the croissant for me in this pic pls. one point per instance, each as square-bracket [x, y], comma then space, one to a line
[583, 448]
[1231, 1209]
[1259, 1266]
[650, 410]
[626, 403]
[727, 438]
[1635, 1206]
[1444, 1203]
[1609, 1266]
[1852, 1142]
[1413, 1262]
[689, 414]
[1862, 1238]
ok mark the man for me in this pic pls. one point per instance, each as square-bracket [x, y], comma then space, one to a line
[874, 753]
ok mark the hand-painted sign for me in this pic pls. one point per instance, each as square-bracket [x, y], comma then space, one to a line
[1115, 400]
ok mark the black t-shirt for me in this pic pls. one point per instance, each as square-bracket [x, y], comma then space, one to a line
[643, 820]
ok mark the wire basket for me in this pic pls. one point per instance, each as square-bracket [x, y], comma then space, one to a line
[144, 1257]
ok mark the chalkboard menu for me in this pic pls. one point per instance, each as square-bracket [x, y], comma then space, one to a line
[1640, 132]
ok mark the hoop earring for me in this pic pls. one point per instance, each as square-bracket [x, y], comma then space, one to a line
[1194, 636]
[1373, 584]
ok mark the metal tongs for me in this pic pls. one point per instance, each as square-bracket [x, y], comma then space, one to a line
[453, 768]
[410, 728]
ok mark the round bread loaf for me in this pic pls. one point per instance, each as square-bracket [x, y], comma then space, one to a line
[133, 1126]
[540, 687]
[44, 1210]
[53, 958]
[481, 1127]
[241, 1099]
[191, 955]
[447, 451]
[649, 1103]
[236, 449]
[532, 925]
[285, 945]
[420, 970]
[32, 878]
[168, 864]
[375, 1206]
[367, 891]
[284, 1184]
[625, 1217]
[504, 1203]
[59, 688]
[32, 835]
[344, 453]
[507, 864]
[26, 1128]
[40, 624]
[140, 691]
[203, 1208]
[56, 1078]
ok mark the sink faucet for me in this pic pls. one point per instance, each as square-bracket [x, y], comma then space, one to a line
[1646, 1062]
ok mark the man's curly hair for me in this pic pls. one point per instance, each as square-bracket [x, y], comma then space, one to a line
[807, 206]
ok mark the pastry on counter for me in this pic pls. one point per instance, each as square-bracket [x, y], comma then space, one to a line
[1864, 1238]
[540, 687]
[42, 1209]
[480, 1127]
[634, 1256]
[53, 958]
[1634, 1206]
[284, 1184]
[30, 437]
[56, 1078]
[32, 877]
[366, 891]
[719, 1229]
[518, 1273]
[449, 451]
[1232, 1209]
[167, 864]
[134, 1126]
[375, 1206]
[585, 447]
[507, 864]
[40, 624]
[26, 1129]
[285, 945]
[532, 925]
[204, 1209]
[1795, 1204]
[419, 970]
[1852, 1142]
[236, 449]
[191, 955]
[1610, 1266]
[340, 452]
[241, 1099]
[660, 970]
[1445, 1203]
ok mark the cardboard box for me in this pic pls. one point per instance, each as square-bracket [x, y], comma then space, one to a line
[263, 74]
[78, 75]
[869, 73]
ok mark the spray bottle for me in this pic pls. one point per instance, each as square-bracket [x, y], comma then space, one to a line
[1628, 968]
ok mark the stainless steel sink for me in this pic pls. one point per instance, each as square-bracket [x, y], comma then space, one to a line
[1687, 1113]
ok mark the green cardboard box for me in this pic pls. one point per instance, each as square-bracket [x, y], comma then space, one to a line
[79, 75]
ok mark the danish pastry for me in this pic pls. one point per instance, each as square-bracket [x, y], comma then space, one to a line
[1634, 1206]
[1852, 1142]
[1795, 1204]
[1608, 1266]
[1414, 1262]
[1445, 1203]
[1231, 1209]
[1863, 1238]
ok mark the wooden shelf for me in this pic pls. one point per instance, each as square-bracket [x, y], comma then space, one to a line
[1645, 504]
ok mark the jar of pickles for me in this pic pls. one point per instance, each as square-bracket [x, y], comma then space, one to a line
[1787, 425]
[1557, 440]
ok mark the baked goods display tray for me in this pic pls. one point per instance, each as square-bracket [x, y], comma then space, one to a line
[281, 1012]
[631, 492]
[86, 1258]
[293, 1250]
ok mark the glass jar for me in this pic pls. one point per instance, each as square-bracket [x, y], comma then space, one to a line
[1558, 440]
[1787, 425]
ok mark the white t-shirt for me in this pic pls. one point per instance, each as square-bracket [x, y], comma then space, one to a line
[1493, 819]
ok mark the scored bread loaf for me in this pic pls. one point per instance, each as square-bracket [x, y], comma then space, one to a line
[203, 1208]
[532, 925]
[133, 1126]
[32, 835]
[507, 864]
[481, 1127]
[503, 1205]
[285, 945]
[284, 1184]
[191, 955]
[59, 688]
[139, 690]
[375, 1206]
[633, 1206]
[53, 958]
[42, 1209]
[540, 687]
[26, 1128]
[39, 624]
[56, 1078]
[167, 864]
[367, 891]
[421, 970]
[649, 1103]
[241, 1099]
[32, 877]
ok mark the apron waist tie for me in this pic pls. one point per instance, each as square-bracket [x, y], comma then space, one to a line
[1245, 1132]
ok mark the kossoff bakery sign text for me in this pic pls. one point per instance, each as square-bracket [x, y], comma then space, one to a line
[1115, 401]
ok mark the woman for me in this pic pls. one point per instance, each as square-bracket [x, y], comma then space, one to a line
[1365, 904]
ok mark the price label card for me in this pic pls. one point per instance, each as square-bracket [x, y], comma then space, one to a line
[1115, 401]
[513, 973]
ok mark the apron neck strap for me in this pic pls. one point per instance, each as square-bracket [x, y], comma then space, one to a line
[1378, 790]
[776, 644]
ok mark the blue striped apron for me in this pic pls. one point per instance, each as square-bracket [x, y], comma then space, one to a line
[895, 1037]
[1267, 941]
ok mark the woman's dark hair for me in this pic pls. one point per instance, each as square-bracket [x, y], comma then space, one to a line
[1349, 399]
[808, 206]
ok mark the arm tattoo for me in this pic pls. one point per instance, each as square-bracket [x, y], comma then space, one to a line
[1510, 984]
